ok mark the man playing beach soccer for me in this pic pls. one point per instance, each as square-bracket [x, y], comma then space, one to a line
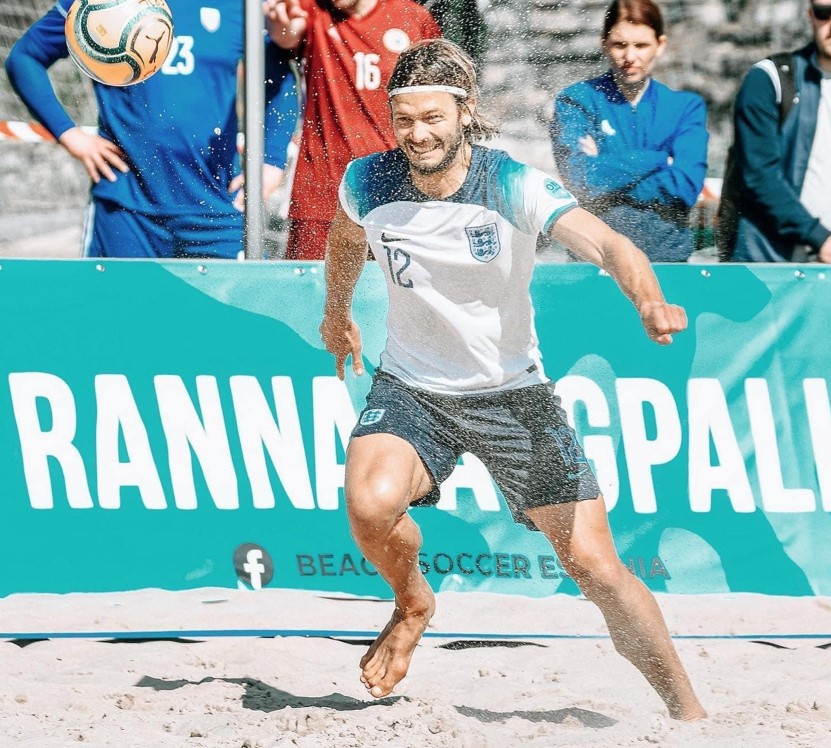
[453, 226]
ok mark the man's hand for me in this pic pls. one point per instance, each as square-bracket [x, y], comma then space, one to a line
[272, 179]
[97, 154]
[286, 21]
[824, 254]
[588, 145]
[342, 338]
[661, 320]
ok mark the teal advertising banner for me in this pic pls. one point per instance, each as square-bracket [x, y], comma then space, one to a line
[178, 425]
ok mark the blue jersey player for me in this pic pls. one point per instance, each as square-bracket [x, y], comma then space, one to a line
[453, 225]
[164, 162]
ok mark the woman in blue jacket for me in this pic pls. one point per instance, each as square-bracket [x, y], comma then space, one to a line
[632, 150]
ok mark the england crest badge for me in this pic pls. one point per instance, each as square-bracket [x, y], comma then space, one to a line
[373, 415]
[484, 241]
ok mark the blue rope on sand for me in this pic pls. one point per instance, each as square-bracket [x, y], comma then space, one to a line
[351, 634]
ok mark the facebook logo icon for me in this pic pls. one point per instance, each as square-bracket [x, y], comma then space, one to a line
[253, 565]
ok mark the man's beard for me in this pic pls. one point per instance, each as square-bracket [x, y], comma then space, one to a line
[449, 157]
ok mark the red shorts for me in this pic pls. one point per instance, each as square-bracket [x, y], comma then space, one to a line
[307, 239]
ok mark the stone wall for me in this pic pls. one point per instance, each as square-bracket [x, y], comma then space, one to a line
[537, 47]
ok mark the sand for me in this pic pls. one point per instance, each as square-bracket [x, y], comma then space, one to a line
[109, 689]
[246, 692]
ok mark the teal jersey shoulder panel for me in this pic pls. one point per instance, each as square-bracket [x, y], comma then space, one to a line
[525, 197]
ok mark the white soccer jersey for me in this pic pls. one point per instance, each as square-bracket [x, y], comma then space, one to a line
[458, 270]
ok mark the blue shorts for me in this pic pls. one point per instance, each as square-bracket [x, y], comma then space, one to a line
[522, 436]
[114, 231]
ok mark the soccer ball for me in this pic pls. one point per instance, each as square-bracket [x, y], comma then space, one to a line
[119, 42]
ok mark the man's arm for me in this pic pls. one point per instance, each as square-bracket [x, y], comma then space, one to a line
[591, 239]
[345, 259]
[281, 104]
[43, 44]
[33, 54]
[281, 113]
[286, 22]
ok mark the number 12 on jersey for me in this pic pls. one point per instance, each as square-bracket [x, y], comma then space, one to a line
[400, 258]
[367, 72]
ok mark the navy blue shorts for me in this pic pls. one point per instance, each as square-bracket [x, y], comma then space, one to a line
[113, 231]
[522, 436]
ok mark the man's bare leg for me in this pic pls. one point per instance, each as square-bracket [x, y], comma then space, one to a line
[579, 532]
[383, 476]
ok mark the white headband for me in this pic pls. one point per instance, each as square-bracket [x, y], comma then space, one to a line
[455, 90]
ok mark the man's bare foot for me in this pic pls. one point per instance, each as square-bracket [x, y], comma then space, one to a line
[690, 714]
[387, 660]
[683, 704]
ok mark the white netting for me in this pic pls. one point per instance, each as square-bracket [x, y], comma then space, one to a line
[42, 187]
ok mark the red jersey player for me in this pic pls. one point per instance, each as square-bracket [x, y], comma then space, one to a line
[349, 48]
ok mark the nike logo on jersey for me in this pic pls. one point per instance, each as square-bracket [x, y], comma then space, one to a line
[387, 238]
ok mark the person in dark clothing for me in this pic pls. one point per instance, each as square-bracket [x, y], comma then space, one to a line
[783, 172]
[460, 21]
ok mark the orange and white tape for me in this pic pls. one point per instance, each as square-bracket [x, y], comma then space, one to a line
[24, 131]
[29, 132]
[33, 132]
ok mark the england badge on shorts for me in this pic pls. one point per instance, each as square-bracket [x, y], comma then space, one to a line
[484, 241]
[373, 415]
